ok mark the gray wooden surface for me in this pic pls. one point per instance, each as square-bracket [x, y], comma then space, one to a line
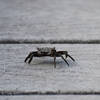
[41, 76]
[54, 97]
[47, 19]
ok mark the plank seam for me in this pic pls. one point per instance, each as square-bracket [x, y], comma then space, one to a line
[49, 41]
[49, 93]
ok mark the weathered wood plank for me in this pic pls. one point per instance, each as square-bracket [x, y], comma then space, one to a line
[46, 19]
[41, 76]
[54, 97]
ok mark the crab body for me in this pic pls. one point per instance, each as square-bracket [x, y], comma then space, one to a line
[51, 52]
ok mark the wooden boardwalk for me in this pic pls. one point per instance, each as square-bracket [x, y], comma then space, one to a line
[72, 25]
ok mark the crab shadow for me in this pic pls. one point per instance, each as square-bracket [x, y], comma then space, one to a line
[50, 62]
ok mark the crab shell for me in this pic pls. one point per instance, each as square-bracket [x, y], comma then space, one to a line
[45, 50]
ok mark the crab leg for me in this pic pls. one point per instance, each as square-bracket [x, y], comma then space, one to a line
[28, 57]
[31, 58]
[64, 60]
[55, 61]
[71, 57]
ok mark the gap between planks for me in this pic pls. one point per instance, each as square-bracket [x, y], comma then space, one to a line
[26, 41]
[49, 93]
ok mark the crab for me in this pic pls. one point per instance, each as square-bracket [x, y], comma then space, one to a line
[47, 51]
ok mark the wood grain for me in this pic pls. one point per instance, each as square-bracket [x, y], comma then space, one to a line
[41, 77]
[49, 20]
[53, 97]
